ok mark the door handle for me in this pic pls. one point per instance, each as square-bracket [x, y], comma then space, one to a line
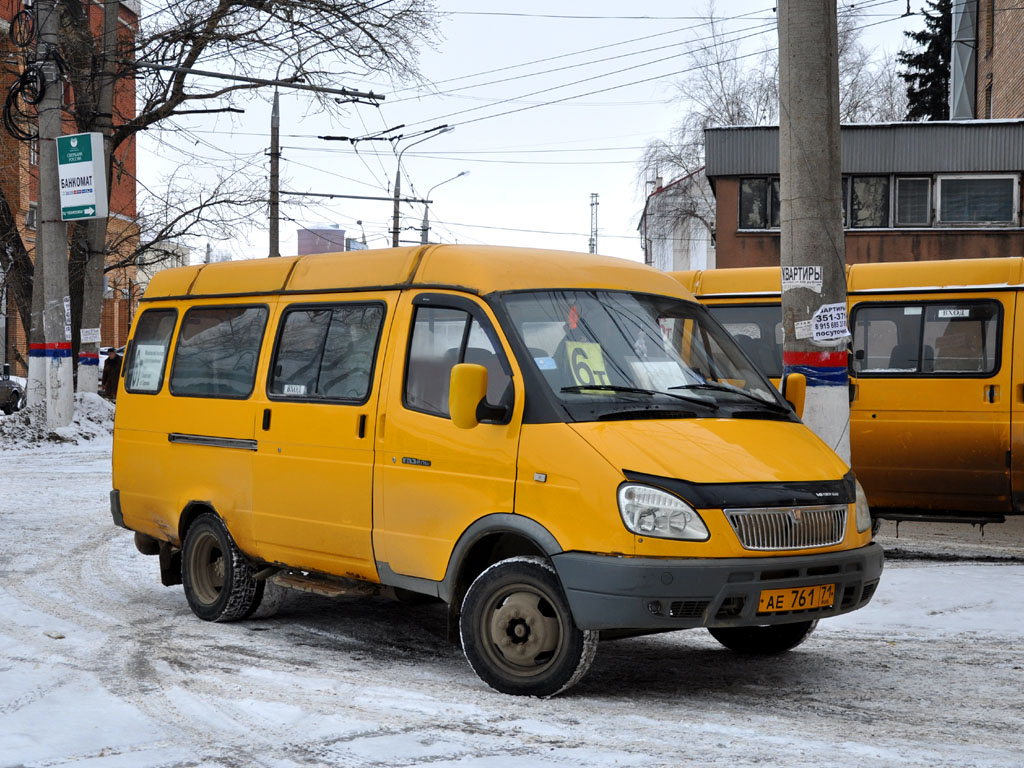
[266, 419]
[992, 393]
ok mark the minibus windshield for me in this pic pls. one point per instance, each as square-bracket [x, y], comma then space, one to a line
[604, 353]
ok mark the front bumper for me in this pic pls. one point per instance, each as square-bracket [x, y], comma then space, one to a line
[610, 592]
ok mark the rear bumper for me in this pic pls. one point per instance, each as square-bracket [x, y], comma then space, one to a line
[609, 592]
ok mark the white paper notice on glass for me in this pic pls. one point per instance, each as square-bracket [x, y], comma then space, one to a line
[147, 366]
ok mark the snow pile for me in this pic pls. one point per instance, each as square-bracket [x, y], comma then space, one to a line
[93, 419]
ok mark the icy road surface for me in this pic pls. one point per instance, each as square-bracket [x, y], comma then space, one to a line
[101, 666]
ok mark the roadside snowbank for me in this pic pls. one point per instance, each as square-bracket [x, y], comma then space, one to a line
[94, 419]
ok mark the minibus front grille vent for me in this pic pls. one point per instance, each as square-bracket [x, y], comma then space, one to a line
[788, 528]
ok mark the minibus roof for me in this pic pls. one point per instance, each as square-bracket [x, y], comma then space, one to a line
[974, 274]
[476, 269]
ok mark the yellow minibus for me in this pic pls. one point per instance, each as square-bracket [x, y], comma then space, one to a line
[555, 445]
[937, 391]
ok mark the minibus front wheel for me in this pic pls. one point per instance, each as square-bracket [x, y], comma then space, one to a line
[518, 632]
[763, 640]
[219, 584]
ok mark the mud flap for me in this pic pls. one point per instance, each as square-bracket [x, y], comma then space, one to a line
[170, 565]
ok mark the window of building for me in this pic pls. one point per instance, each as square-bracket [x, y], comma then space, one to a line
[977, 199]
[988, 101]
[759, 203]
[33, 152]
[32, 216]
[326, 352]
[913, 202]
[936, 339]
[441, 338]
[217, 351]
[144, 371]
[869, 201]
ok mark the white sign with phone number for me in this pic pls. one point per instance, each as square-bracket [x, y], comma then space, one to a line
[829, 323]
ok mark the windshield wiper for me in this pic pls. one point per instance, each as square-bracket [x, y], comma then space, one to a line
[734, 391]
[638, 391]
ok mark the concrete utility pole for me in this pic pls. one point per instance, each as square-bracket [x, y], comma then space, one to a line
[92, 293]
[813, 249]
[56, 346]
[593, 222]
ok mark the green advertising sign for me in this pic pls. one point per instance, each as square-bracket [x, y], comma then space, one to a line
[83, 179]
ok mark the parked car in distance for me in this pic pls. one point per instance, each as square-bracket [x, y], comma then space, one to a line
[12, 394]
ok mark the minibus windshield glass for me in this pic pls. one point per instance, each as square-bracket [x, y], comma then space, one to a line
[604, 353]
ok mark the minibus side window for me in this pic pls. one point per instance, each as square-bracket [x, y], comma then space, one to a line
[757, 330]
[217, 351]
[440, 339]
[326, 352]
[152, 339]
[935, 339]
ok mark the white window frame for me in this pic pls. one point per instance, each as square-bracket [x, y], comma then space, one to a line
[931, 204]
[937, 200]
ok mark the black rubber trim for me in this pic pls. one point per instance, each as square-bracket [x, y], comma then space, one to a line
[213, 442]
[741, 495]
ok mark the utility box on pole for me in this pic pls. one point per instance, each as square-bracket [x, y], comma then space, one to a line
[813, 250]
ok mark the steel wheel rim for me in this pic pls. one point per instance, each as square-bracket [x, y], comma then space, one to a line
[521, 630]
[206, 566]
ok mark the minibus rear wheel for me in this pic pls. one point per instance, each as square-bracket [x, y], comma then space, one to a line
[764, 640]
[219, 584]
[518, 633]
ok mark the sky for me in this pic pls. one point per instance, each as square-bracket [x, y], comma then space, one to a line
[551, 102]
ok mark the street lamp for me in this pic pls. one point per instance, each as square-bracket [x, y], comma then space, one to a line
[426, 206]
[398, 175]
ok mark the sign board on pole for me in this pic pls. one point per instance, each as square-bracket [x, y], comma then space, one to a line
[83, 177]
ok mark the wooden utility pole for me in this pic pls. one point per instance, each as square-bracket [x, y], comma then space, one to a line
[53, 248]
[813, 249]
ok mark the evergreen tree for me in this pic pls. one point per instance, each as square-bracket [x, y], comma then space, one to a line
[926, 69]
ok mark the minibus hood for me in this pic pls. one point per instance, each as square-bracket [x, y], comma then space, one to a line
[715, 450]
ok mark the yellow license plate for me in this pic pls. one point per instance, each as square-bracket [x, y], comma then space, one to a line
[796, 598]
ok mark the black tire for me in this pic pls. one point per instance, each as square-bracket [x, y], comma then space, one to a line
[219, 584]
[518, 633]
[763, 640]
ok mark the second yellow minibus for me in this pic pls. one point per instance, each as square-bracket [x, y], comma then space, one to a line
[937, 384]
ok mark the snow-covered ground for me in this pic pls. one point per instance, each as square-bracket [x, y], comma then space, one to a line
[101, 666]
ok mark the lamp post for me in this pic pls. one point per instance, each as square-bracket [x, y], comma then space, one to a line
[426, 206]
[398, 176]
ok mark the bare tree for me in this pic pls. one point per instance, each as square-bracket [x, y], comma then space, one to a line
[318, 43]
[726, 86]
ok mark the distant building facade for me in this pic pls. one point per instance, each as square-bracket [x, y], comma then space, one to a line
[677, 224]
[911, 191]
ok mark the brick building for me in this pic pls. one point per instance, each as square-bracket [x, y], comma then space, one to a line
[912, 191]
[19, 183]
[987, 77]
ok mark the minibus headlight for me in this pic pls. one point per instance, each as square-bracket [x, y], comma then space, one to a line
[863, 512]
[652, 512]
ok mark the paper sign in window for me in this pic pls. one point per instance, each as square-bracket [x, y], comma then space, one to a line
[586, 362]
[147, 365]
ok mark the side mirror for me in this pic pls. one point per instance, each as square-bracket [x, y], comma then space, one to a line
[467, 388]
[794, 389]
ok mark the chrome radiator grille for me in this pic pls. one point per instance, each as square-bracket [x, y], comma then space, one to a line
[789, 527]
